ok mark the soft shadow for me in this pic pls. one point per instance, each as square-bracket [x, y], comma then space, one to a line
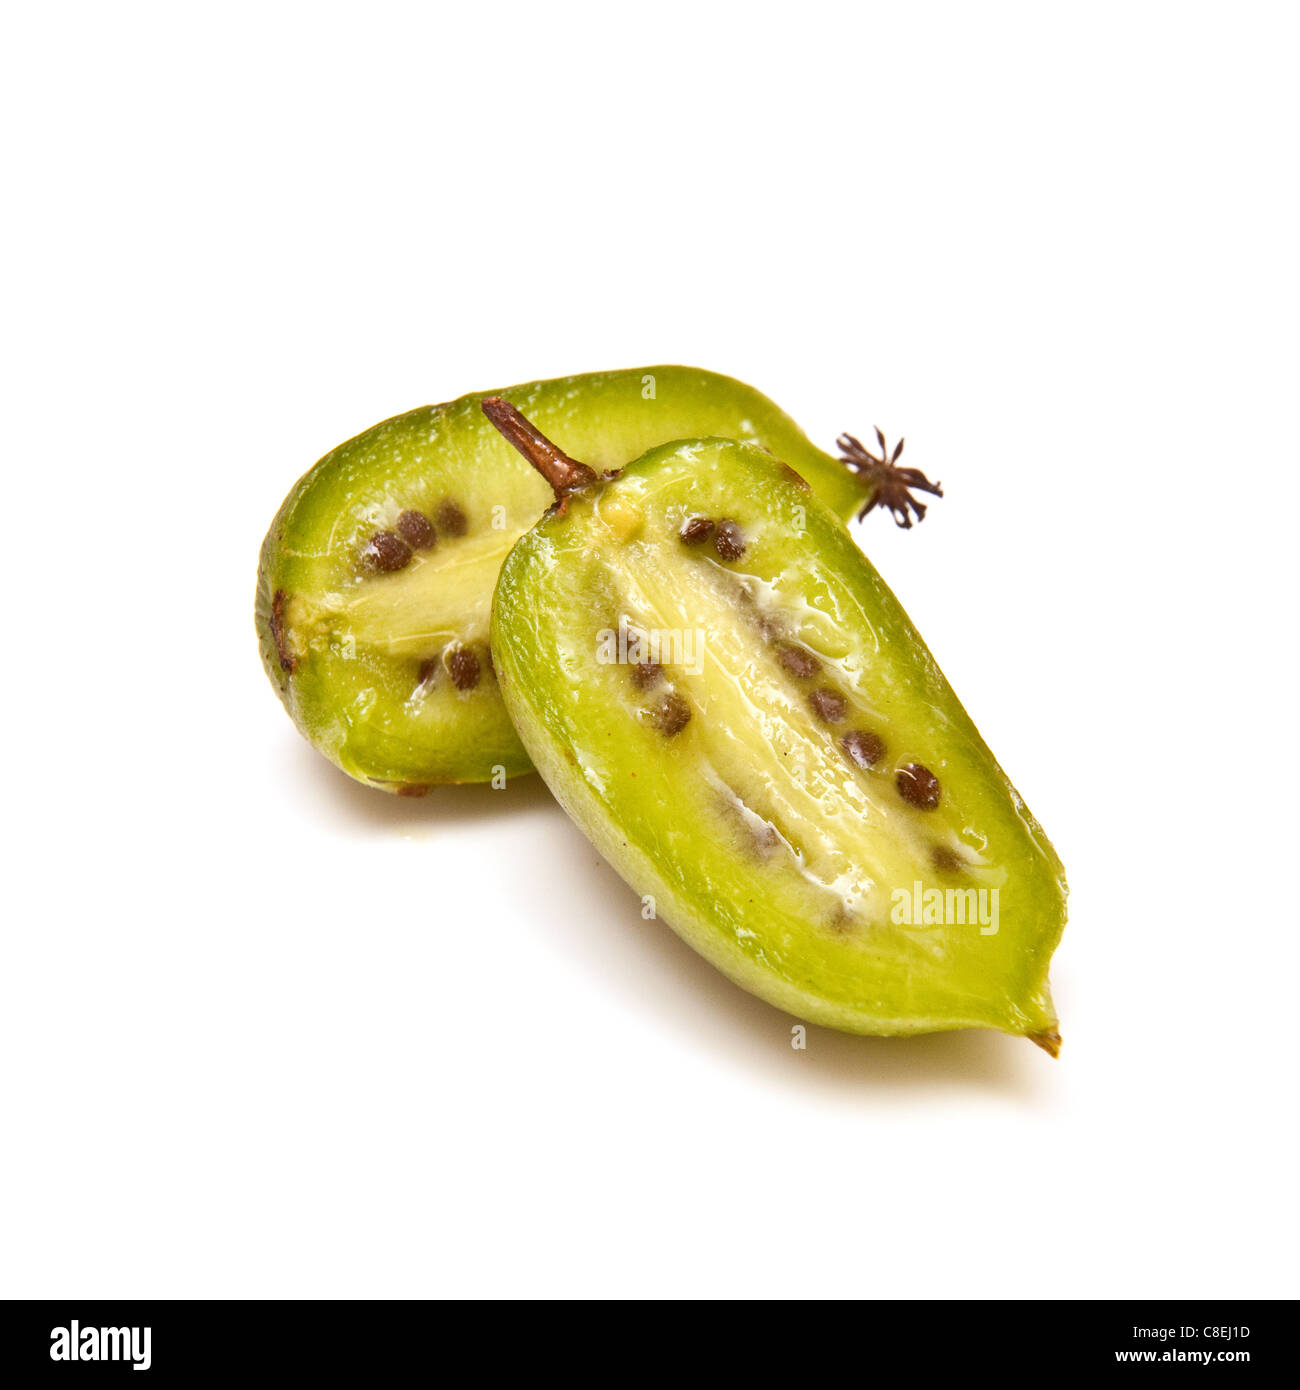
[659, 975]
[340, 796]
[597, 921]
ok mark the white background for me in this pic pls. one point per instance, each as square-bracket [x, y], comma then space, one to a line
[264, 1032]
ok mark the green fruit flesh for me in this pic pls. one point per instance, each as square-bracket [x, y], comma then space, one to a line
[718, 774]
[350, 650]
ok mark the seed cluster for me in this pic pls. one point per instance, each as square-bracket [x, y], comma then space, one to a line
[386, 552]
[916, 784]
[670, 712]
[728, 538]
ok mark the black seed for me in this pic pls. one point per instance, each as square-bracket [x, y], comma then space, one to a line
[828, 705]
[417, 530]
[798, 662]
[730, 540]
[672, 714]
[646, 674]
[462, 667]
[385, 552]
[918, 786]
[697, 530]
[947, 860]
[866, 749]
[451, 518]
[428, 671]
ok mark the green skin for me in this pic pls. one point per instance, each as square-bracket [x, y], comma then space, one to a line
[345, 649]
[763, 844]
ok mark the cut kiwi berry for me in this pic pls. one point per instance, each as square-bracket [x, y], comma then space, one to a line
[376, 576]
[797, 787]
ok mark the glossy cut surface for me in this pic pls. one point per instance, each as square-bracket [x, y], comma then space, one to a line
[727, 698]
[376, 576]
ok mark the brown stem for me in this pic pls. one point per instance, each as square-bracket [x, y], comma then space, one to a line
[564, 474]
[891, 486]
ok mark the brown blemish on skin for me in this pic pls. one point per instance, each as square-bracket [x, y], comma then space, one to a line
[671, 714]
[729, 541]
[416, 530]
[385, 553]
[279, 633]
[451, 518]
[828, 705]
[798, 662]
[918, 786]
[462, 666]
[797, 479]
[413, 789]
[865, 748]
[697, 530]
[647, 674]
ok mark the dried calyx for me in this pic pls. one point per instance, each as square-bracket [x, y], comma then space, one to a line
[891, 485]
